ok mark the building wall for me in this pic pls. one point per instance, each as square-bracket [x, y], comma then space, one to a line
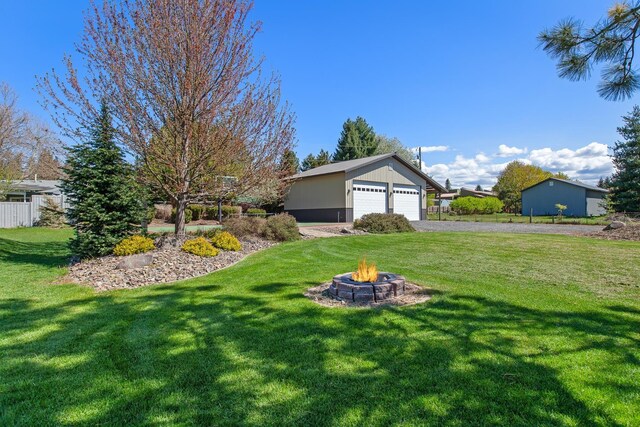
[543, 199]
[381, 172]
[595, 203]
[318, 198]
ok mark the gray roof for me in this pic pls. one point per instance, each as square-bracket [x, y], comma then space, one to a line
[350, 165]
[41, 185]
[575, 183]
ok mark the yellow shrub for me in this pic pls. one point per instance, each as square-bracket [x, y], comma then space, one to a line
[134, 245]
[226, 241]
[199, 246]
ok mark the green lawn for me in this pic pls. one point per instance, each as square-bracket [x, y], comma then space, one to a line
[509, 217]
[522, 330]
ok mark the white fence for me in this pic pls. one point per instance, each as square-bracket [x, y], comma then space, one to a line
[26, 214]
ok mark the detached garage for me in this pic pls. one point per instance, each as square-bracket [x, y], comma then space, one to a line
[580, 199]
[344, 191]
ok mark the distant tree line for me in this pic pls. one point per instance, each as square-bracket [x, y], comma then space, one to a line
[358, 140]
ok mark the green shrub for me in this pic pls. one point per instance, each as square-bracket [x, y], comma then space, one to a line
[383, 223]
[227, 212]
[188, 215]
[51, 214]
[473, 205]
[199, 246]
[151, 214]
[134, 245]
[246, 226]
[257, 212]
[225, 241]
[197, 212]
[281, 228]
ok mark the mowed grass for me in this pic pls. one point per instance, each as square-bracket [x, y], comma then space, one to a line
[522, 330]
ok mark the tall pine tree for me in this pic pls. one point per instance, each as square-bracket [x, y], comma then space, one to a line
[625, 182]
[105, 200]
[357, 140]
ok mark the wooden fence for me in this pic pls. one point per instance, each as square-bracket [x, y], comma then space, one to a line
[26, 214]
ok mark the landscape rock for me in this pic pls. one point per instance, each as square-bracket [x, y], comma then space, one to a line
[169, 264]
[135, 261]
[615, 225]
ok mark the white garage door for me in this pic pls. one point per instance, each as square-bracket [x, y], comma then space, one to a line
[369, 198]
[406, 201]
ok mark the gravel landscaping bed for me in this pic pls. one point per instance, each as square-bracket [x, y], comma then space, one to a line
[630, 232]
[169, 265]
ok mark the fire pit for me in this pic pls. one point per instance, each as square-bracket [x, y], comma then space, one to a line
[367, 285]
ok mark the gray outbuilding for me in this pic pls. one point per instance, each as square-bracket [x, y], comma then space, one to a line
[344, 191]
[580, 199]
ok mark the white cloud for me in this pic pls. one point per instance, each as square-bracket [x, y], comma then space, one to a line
[586, 164]
[506, 151]
[432, 148]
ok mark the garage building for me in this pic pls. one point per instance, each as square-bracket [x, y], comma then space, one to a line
[580, 199]
[344, 191]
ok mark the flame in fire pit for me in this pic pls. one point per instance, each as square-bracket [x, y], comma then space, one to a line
[366, 272]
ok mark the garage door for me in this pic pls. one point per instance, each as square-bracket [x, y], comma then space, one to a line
[369, 198]
[406, 201]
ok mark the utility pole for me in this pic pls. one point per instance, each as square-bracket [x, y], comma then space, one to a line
[420, 158]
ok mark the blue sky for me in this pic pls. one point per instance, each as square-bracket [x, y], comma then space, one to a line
[466, 77]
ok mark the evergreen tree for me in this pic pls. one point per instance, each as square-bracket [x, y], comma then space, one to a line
[357, 140]
[105, 201]
[311, 161]
[625, 182]
[479, 187]
[289, 164]
[611, 42]
[447, 185]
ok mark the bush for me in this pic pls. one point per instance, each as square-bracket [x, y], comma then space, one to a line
[197, 212]
[473, 205]
[188, 215]
[163, 212]
[246, 226]
[134, 245]
[257, 212]
[281, 228]
[225, 241]
[383, 223]
[151, 214]
[199, 246]
[227, 212]
[51, 214]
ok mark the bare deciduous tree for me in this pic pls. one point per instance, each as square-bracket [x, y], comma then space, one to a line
[185, 90]
[23, 140]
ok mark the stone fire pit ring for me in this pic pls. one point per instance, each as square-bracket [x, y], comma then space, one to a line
[387, 286]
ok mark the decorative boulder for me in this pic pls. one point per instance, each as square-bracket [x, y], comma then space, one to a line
[615, 225]
[135, 261]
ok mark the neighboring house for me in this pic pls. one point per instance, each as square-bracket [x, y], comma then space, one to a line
[580, 199]
[24, 199]
[344, 191]
[467, 192]
[21, 191]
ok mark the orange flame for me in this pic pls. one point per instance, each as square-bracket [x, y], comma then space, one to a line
[366, 272]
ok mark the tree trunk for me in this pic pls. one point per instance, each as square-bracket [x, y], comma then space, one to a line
[181, 206]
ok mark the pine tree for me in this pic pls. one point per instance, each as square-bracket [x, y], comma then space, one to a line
[625, 182]
[357, 140]
[311, 161]
[447, 185]
[289, 164]
[479, 187]
[106, 205]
